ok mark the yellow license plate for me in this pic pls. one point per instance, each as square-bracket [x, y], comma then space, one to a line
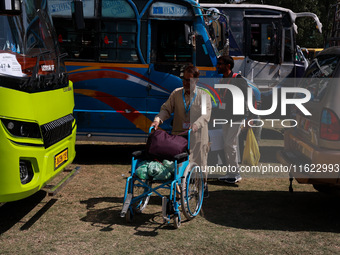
[61, 158]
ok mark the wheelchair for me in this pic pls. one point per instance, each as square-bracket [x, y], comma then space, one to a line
[186, 188]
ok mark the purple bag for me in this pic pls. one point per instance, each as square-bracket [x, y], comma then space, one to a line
[162, 145]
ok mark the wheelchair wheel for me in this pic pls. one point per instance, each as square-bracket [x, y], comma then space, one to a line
[192, 191]
[139, 189]
[177, 222]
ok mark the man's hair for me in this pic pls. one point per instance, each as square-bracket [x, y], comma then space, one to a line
[192, 69]
[227, 60]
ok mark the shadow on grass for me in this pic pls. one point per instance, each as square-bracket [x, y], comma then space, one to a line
[89, 154]
[106, 217]
[273, 210]
[256, 210]
[13, 212]
[122, 154]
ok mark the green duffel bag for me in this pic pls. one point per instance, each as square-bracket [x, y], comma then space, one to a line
[142, 170]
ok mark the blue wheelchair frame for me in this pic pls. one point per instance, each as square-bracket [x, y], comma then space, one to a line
[183, 178]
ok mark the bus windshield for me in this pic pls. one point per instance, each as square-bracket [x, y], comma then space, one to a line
[29, 53]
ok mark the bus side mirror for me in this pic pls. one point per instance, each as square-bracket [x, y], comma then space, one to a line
[10, 7]
[188, 31]
[78, 14]
[212, 14]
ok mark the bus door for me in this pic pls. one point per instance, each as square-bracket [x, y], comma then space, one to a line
[263, 38]
[170, 50]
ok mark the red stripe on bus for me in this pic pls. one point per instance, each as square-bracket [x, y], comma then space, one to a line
[75, 77]
[137, 118]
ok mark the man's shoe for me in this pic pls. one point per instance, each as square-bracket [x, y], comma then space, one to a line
[238, 178]
[206, 192]
[232, 179]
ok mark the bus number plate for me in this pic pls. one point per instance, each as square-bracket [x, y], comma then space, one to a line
[60, 158]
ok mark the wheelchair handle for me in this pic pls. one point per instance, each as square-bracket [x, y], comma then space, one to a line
[150, 129]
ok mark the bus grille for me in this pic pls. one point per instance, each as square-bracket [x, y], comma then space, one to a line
[57, 130]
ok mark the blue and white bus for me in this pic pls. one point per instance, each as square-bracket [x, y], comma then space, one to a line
[128, 60]
[261, 38]
[262, 41]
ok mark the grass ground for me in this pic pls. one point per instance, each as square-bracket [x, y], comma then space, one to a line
[258, 216]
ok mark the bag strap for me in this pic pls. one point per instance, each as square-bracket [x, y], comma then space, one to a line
[225, 90]
[183, 133]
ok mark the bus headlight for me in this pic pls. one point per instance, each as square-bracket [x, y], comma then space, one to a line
[21, 128]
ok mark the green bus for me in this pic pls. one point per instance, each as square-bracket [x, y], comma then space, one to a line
[37, 127]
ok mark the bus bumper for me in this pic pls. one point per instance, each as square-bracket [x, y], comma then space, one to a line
[40, 165]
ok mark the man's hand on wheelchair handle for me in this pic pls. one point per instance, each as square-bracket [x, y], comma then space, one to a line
[155, 124]
[194, 128]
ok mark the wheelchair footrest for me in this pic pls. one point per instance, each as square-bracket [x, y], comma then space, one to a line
[126, 205]
[164, 209]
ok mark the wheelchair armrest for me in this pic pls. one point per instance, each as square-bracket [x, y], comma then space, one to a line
[137, 154]
[181, 156]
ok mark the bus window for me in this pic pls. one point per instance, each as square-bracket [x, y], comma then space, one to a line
[144, 39]
[117, 9]
[78, 44]
[9, 42]
[168, 44]
[264, 41]
[112, 38]
[235, 31]
[288, 46]
[118, 35]
[118, 41]
[62, 8]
